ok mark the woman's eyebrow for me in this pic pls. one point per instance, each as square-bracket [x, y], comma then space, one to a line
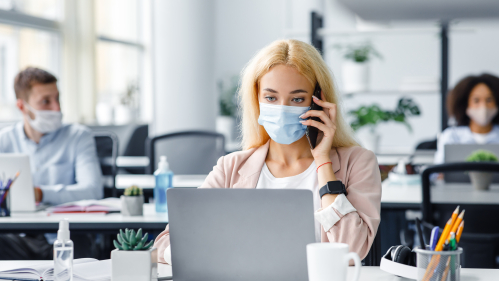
[298, 91]
[270, 90]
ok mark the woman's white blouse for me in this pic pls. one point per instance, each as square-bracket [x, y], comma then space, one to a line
[463, 135]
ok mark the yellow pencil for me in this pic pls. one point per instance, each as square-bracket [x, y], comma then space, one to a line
[446, 271]
[459, 231]
[457, 223]
[444, 235]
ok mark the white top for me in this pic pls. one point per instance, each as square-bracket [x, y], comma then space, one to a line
[463, 135]
[306, 180]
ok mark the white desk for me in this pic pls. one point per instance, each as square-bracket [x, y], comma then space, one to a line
[42, 222]
[148, 181]
[460, 193]
[367, 273]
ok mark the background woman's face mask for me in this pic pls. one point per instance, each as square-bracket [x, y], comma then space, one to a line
[482, 115]
[45, 121]
[282, 122]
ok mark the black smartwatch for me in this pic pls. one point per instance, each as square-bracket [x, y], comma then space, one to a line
[333, 187]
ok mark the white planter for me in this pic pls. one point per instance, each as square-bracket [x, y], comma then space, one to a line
[132, 205]
[104, 113]
[481, 180]
[134, 265]
[370, 141]
[123, 115]
[226, 125]
[355, 76]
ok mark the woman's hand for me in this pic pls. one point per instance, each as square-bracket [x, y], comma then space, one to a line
[327, 128]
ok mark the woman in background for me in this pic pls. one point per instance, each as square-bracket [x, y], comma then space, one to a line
[276, 94]
[473, 105]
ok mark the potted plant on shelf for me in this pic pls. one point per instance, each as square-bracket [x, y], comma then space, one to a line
[372, 115]
[133, 259]
[132, 201]
[226, 121]
[355, 68]
[481, 180]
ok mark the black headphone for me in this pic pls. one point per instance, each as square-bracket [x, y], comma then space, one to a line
[401, 254]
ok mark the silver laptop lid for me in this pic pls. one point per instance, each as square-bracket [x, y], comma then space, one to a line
[240, 234]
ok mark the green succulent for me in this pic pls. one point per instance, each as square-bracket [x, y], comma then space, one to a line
[482, 156]
[133, 191]
[131, 241]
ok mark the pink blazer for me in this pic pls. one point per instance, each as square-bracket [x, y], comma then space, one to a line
[356, 167]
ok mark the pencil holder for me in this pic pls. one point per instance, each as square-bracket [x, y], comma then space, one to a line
[441, 266]
[4, 203]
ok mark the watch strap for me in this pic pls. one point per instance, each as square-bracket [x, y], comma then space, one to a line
[333, 187]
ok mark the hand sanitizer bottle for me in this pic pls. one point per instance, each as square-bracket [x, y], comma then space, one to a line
[63, 253]
[164, 180]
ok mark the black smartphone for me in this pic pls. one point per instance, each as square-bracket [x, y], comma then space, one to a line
[313, 132]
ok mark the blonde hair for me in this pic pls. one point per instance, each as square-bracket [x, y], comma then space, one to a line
[304, 58]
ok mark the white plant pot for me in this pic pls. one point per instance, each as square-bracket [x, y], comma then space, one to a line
[123, 115]
[134, 265]
[104, 113]
[370, 141]
[481, 180]
[355, 76]
[132, 205]
[226, 125]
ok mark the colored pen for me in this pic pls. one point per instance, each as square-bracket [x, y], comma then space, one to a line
[452, 259]
[452, 242]
[446, 271]
[434, 238]
[459, 231]
[420, 235]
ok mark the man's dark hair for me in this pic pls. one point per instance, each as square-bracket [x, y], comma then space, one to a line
[29, 77]
[457, 99]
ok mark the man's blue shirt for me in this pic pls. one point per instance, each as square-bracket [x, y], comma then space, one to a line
[64, 164]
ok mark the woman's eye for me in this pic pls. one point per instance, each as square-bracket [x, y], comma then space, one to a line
[298, 100]
[270, 98]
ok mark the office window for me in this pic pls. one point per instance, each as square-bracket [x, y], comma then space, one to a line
[20, 46]
[119, 60]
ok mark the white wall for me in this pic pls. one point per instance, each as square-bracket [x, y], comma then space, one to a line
[243, 27]
[184, 40]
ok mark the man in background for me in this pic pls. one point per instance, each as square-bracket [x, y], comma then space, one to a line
[63, 157]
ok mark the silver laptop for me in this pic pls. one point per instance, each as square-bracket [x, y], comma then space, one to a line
[22, 195]
[240, 234]
[459, 153]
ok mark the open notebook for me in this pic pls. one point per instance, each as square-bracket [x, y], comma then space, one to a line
[83, 270]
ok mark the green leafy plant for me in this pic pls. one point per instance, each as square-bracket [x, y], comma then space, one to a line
[482, 156]
[133, 191]
[131, 241]
[360, 53]
[372, 115]
[228, 104]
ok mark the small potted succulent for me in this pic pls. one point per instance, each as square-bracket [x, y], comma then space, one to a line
[132, 201]
[133, 259]
[355, 68]
[481, 180]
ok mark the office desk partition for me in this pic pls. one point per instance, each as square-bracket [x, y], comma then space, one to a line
[41, 222]
[148, 181]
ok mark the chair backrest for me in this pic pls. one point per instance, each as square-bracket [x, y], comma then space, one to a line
[373, 258]
[107, 151]
[427, 145]
[480, 239]
[136, 146]
[188, 153]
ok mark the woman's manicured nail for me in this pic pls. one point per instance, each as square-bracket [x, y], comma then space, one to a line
[301, 116]
[316, 98]
[303, 121]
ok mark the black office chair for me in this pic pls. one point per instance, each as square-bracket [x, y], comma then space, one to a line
[188, 153]
[373, 258]
[107, 152]
[137, 147]
[427, 145]
[480, 239]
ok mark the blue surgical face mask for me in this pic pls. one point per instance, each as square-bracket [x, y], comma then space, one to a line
[282, 122]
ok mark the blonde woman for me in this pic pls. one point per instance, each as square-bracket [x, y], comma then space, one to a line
[275, 95]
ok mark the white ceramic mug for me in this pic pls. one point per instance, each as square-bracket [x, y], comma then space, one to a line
[329, 262]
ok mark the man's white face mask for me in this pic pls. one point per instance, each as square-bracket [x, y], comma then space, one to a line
[482, 115]
[45, 121]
